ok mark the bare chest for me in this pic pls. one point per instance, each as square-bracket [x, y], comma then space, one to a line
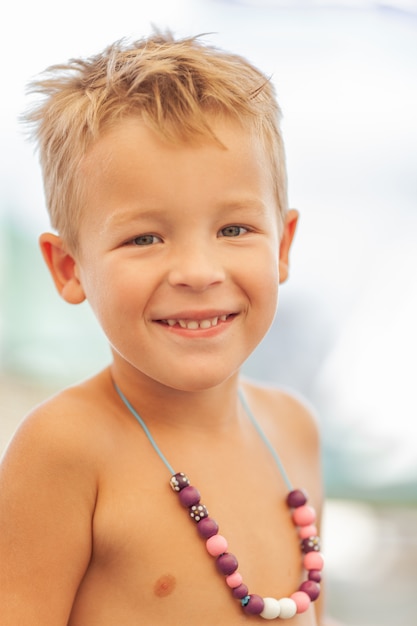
[151, 566]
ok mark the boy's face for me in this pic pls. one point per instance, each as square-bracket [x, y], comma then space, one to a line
[179, 251]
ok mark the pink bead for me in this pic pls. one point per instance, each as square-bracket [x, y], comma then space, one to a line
[234, 580]
[305, 532]
[302, 600]
[216, 545]
[313, 560]
[304, 515]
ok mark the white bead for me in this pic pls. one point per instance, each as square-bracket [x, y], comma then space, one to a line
[272, 608]
[288, 608]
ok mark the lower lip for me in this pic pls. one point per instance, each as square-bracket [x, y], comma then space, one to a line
[198, 332]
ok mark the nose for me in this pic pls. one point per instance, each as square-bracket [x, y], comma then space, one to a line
[197, 266]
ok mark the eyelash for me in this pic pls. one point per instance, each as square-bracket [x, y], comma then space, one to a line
[149, 239]
[234, 226]
[135, 240]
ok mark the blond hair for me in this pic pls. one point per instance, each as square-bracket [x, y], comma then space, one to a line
[171, 84]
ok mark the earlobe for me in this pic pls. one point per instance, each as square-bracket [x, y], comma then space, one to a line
[290, 225]
[63, 268]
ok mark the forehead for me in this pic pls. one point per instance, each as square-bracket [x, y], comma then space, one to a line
[131, 165]
[132, 135]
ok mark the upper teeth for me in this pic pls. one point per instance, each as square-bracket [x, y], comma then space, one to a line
[195, 324]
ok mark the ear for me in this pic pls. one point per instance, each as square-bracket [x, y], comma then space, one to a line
[290, 225]
[63, 268]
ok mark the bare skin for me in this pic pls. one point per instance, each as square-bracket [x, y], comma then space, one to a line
[183, 277]
[108, 543]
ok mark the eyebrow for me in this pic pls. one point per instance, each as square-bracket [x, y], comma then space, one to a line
[120, 218]
[251, 206]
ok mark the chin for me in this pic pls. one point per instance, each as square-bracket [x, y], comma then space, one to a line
[198, 383]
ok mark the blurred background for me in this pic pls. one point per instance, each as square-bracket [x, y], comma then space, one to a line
[345, 335]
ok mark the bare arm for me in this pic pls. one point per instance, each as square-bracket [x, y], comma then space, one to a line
[47, 498]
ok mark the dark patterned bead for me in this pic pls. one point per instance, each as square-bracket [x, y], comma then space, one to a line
[198, 512]
[311, 588]
[312, 544]
[240, 592]
[179, 481]
[315, 575]
[207, 527]
[226, 563]
[296, 498]
[189, 496]
[255, 605]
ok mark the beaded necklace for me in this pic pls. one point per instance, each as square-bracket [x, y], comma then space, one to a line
[303, 517]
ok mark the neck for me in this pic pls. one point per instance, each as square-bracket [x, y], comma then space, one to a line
[215, 409]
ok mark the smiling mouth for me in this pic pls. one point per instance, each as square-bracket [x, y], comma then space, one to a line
[196, 324]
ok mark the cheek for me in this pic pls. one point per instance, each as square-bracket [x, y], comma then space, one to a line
[262, 287]
[107, 293]
[269, 281]
[265, 271]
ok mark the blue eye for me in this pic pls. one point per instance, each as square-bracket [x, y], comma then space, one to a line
[145, 240]
[233, 231]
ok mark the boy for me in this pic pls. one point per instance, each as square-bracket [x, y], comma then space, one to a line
[165, 180]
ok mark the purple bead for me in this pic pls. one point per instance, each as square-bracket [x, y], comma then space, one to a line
[312, 544]
[240, 592]
[179, 481]
[226, 563]
[311, 588]
[189, 496]
[296, 498]
[198, 512]
[255, 606]
[207, 527]
[315, 575]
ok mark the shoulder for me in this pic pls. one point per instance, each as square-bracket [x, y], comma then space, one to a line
[49, 483]
[284, 407]
[62, 430]
[291, 426]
